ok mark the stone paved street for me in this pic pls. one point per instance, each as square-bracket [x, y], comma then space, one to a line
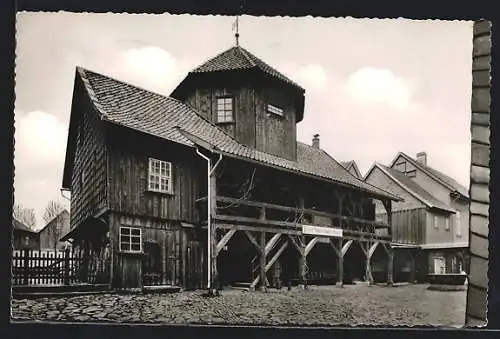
[317, 306]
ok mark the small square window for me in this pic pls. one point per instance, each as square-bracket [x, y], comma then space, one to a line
[130, 239]
[160, 176]
[225, 109]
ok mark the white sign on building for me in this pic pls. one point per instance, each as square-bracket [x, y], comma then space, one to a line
[322, 231]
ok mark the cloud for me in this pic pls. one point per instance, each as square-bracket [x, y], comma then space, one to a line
[371, 85]
[151, 67]
[40, 137]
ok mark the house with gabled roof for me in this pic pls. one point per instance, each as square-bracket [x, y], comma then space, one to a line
[352, 168]
[23, 236]
[431, 224]
[52, 232]
[209, 186]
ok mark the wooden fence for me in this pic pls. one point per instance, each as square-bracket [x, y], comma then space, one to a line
[35, 267]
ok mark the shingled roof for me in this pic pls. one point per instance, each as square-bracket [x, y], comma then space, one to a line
[167, 118]
[437, 175]
[20, 226]
[412, 187]
[238, 58]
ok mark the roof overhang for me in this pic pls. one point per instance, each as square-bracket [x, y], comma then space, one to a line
[445, 245]
[88, 227]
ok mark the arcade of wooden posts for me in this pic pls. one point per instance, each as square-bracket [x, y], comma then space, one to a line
[271, 238]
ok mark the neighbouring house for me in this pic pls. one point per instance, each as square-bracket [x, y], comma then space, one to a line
[51, 233]
[352, 168]
[24, 237]
[210, 187]
[430, 227]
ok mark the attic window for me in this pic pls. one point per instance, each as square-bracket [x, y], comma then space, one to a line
[160, 176]
[225, 109]
[411, 174]
[274, 110]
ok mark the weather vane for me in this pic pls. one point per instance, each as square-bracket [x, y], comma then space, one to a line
[236, 28]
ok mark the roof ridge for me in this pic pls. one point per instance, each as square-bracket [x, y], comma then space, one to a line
[211, 59]
[245, 54]
[182, 104]
[426, 169]
[355, 177]
[390, 171]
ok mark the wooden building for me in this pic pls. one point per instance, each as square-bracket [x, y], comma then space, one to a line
[53, 231]
[430, 227]
[352, 168]
[24, 237]
[209, 186]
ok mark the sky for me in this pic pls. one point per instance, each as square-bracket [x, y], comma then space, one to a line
[373, 86]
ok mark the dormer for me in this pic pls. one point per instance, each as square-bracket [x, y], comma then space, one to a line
[249, 99]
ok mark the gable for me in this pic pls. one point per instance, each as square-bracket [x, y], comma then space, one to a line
[404, 161]
[380, 179]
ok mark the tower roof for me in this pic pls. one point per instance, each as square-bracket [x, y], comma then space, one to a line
[238, 58]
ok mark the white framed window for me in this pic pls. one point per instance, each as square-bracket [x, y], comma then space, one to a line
[130, 239]
[447, 223]
[160, 176]
[458, 226]
[436, 225]
[274, 110]
[225, 109]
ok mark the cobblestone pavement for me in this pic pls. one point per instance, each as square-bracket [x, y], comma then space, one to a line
[316, 306]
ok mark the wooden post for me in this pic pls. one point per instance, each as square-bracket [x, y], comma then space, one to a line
[302, 264]
[66, 266]
[412, 266]
[85, 268]
[263, 261]
[340, 265]
[388, 208]
[390, 265]
[214, 278]
[26, 266]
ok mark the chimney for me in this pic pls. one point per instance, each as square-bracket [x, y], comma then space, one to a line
[315, 143]
[422, 158]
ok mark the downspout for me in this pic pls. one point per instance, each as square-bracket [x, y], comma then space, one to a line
[210, 171]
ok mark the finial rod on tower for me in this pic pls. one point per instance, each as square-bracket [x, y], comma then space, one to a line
[237, 34]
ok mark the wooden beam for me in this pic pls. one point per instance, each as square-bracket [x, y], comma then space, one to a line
[298, 210]
[225, 239]
[270, 244]
[276, 256]
[302, 261]
[270, 263]
[310, 245]
[294, 242]
[263, 270]
[252, 239]
[372, 249]
[340, 264]
[258, 228]
[339, 249]
[346, 247]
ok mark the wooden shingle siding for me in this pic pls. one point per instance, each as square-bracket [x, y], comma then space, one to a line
[128, 177]
[480, 173]
[90, 156]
